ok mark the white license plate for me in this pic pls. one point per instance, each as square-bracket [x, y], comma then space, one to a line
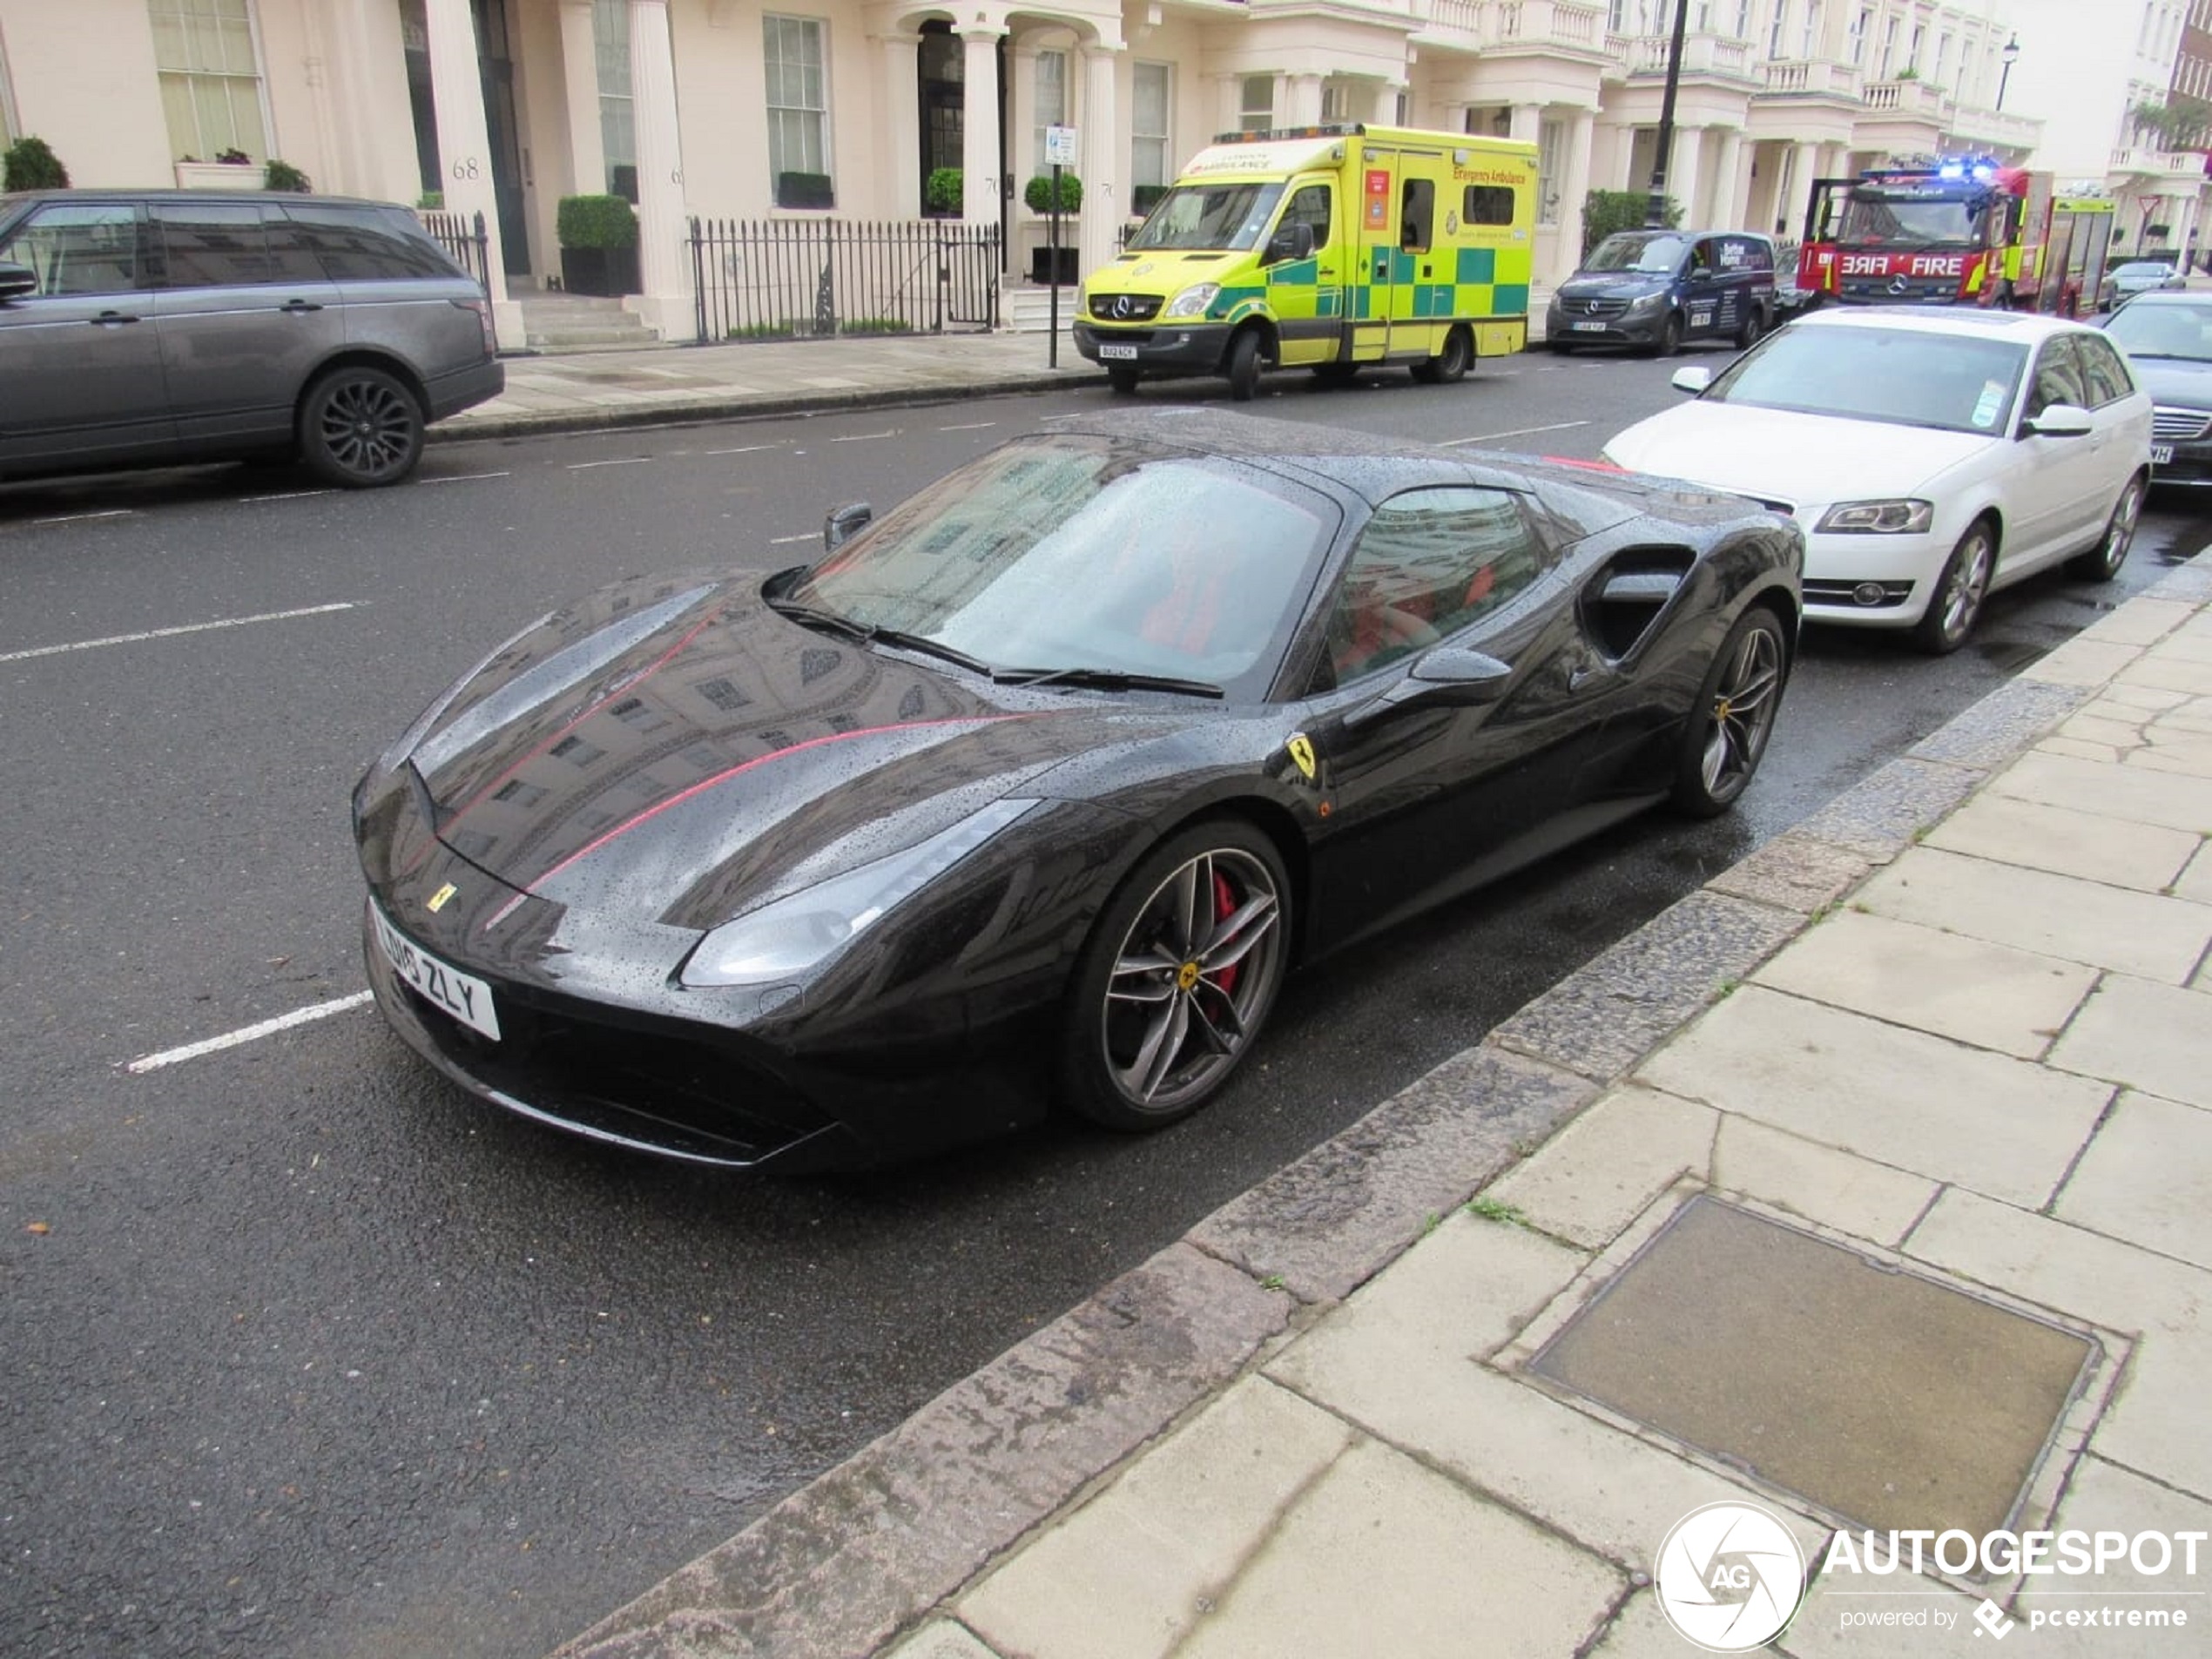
[1587, 328]
[462, 995]
[2161, 453]
[1116, 354]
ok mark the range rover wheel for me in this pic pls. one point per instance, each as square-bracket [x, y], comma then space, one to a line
[359, 428]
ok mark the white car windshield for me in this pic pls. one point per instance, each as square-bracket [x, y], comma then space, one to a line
[1905, 377]
[1208, 217]
[2148, 329]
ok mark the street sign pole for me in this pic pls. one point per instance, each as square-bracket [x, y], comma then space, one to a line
[1060, 152]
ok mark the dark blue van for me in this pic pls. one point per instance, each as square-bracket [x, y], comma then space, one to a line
[1655, 289]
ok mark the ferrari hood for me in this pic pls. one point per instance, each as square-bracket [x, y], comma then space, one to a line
[670, 750]
[1781, 454]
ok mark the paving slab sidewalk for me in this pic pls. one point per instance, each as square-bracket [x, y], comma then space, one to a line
[1955, 1028]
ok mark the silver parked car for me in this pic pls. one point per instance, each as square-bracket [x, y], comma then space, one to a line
[146, 328]
[2124, 282]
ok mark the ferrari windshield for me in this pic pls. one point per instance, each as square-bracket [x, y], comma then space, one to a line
[1657, 251]
[1086, 553]
[1907, 377]
[1870, 218]
[1208, 217]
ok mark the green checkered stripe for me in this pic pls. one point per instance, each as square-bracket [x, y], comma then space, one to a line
[1487, 282]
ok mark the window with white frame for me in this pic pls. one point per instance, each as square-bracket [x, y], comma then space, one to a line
[1889, 49]
[1256, 113]
[798, 164]
[1811, 46]
[1049, 108]
[1150, 150]
[1551, 167]
[1920, 39]
[210, 77]
[1743, 20]
[617, 123]
[1943, 56]
[1336, 99]
[1859, 23]
[1775, 29]
[1616, 16]
[8, 131]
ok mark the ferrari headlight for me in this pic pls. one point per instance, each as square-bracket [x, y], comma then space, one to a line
[801, 930]
[1901, 517]
[1193, 301]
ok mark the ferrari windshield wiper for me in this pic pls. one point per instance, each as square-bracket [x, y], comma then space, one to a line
[868, 633]
[928, 647]
[1105, 679]
[823, 621]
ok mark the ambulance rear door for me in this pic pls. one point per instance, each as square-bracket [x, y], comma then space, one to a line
[1374, 278]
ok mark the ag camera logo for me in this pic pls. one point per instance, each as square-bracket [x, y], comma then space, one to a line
[1729, 1577]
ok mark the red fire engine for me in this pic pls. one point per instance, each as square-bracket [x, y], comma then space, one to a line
[1959, 230]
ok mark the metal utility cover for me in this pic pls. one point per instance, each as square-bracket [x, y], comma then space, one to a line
[1885, 1397]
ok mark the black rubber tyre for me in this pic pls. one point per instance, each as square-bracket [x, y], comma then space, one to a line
[1670, 340]
[1122, 378]
[1733, 716]
[1243, 367]
[2102, 562]
[1179, 975]
[1336, 374]
[360, 428]
[1960, 592]
[1754, 326]
[1560, 346]
[1449, 365]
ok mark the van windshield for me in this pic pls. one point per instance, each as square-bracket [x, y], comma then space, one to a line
[1229, 214]
[1659, 252]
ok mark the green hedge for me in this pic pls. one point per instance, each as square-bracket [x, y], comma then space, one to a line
[28, 164]
[1038, 193]
[1607, 211]
[944, 191]
[594, 221]
[282, 175]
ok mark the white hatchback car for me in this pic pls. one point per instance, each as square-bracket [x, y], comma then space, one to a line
[1932, 455]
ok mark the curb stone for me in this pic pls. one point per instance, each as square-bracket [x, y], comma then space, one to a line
[859, 1555]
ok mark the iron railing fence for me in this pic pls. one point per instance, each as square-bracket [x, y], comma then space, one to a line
[468, 243]
[787, 278]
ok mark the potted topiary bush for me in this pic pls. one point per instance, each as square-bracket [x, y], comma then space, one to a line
[944, 191]
[598, 236]
[29, 164]
[282, 175]
[1038, 193]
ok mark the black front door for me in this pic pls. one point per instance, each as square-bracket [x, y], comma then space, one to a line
[493, 53]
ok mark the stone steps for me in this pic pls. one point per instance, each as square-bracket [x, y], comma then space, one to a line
[581, 322]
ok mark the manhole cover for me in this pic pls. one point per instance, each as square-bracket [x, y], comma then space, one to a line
[1885, 1397]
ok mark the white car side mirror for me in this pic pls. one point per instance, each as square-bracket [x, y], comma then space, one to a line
[1691, 380]
[2059, 421]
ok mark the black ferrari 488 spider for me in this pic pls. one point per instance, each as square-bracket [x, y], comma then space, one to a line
[1038, 784]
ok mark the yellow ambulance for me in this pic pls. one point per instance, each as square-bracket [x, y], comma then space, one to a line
[1327, 248]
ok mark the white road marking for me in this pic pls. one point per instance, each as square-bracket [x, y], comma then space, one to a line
[865, 437]
[78, 518]
[1517, 432]
[620, 461]
[246, 1034]
[289, 494]
[972, 426]
[773, 541]
[744, 449]
[466, 478]
[187, 628]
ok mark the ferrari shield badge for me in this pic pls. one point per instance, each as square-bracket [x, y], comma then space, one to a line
[1301, 752]
[439, 900]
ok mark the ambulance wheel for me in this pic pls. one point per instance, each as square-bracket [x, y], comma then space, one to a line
[1450, 364]
[1243, 367]
[1122, 378]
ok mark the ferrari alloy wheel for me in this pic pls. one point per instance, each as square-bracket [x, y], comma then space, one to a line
[359, 428]
[1180, 975]
[2102, 562]
[1734, 717]
[1956, 605]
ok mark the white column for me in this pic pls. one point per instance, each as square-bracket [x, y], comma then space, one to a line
[1527, 122]
[1303, 108]
[1727, 212]
[898, 134]
[1105, 156]
[1231, 105]
[1386, 93]
[464, 141]
[1681, 173]
[1569, 254]
[664, 266]
[580, 78]
[979, 149]
[1804, 167]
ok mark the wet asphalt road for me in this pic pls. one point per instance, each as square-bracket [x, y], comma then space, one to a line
[309, 1354]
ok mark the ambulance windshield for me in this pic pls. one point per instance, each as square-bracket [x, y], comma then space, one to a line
[1872, 217]
[1227, 215]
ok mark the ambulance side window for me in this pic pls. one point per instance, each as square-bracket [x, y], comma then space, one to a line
[1416, 216]
[1486, 204]
[1309, 206]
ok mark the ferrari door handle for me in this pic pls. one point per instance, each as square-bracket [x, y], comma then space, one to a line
[299, 307]
[113, 319]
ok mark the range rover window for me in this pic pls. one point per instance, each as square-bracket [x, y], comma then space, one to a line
[369, 245]
[78, 247]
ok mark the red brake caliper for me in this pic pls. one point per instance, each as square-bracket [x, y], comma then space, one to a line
[1224, 906]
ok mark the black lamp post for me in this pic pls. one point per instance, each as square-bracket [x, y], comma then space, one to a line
[1654, 215]
[2008, 57]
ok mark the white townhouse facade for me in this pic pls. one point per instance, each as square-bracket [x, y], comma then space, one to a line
[790, 109]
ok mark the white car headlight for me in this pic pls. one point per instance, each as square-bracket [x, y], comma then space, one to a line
[1192, 302]
[1900, 517]
[803, 929]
